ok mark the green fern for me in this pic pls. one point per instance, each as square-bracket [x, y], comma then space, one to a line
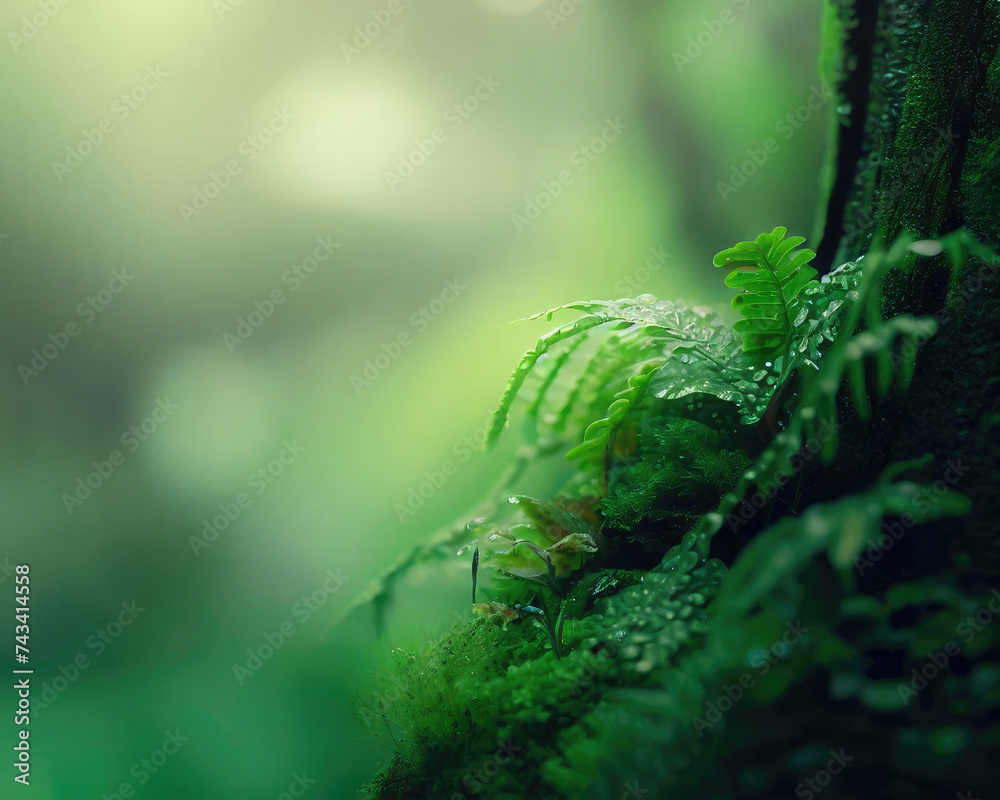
[771, 273]
[672, 352]
[890, 347]
[669, 349]
[597, 436]
[531, 416]
[527, 363]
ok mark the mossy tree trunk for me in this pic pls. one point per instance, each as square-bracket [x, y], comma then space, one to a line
[919, 150]
[919, 134]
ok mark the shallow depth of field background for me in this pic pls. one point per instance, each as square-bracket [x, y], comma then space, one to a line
[222, 70]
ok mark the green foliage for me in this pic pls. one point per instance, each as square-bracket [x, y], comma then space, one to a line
[892, 347]
[528, 362]
[628, 696]
[771, 274]
[663, 729]
[887, 348]
[629, 355]
[668, 401]
[460, 695]
[641, 339]
[672, 352]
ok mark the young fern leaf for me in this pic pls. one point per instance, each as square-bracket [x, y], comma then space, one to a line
[771, 274]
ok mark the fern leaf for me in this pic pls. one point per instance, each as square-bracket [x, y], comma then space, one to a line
[841, 529]
[598, 434]
[531, 415]
[771, 273]
[527, 363]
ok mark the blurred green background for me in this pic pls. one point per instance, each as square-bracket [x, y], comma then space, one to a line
[202, 150]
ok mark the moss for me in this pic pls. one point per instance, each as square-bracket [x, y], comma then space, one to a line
[484, 686]
[680, 471]
[443, 715]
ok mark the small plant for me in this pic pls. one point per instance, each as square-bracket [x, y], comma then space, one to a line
[544, 553]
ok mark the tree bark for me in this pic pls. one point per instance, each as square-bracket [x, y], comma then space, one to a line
[919, 134]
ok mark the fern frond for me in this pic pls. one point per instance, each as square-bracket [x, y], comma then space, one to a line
[598, 433]
[681, 351]
[558, 362]
[771, 273]
[841, 529]
[527, 363]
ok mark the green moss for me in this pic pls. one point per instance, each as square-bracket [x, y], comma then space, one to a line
[681, 472]
[484, 686]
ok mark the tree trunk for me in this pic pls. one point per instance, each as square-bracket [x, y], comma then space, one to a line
[919, 135]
